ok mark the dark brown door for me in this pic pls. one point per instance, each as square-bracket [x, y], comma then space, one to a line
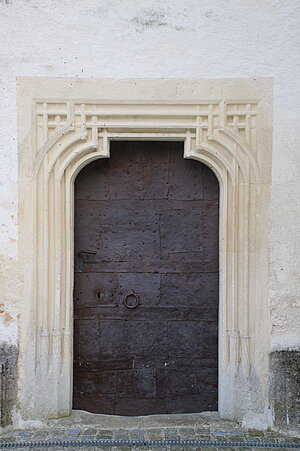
[146, 282]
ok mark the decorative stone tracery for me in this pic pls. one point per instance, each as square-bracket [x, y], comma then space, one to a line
[226, 136]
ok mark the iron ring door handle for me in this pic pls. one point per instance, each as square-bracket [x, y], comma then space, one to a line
[135, 303]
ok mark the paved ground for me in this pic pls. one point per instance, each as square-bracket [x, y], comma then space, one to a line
[85, 426]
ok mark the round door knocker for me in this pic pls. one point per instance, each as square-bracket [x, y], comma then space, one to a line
[131, 300]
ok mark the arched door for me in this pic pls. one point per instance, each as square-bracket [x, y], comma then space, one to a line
[146, 282]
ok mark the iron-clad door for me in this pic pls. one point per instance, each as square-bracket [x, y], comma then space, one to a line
[146, 282]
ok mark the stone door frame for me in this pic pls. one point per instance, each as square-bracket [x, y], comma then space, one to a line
[64, 124]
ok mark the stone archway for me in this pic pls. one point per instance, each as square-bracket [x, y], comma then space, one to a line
[63, 135]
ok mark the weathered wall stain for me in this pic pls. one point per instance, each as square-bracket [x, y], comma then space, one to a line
[10, 296]
[153, 18]
[285, 388]
[7, 318]
[210, 14]
[8, 382]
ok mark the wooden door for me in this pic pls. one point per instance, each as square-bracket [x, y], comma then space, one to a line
[146, 282]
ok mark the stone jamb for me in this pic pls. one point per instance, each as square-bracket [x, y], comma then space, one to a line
[66, 123]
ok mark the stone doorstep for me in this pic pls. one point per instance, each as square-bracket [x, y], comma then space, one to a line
[86, 426]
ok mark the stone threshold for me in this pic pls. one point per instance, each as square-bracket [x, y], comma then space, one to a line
[82, 425]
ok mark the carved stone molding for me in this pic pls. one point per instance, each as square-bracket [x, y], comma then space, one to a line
[231, 136]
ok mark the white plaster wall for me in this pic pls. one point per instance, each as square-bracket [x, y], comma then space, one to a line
[160, 39]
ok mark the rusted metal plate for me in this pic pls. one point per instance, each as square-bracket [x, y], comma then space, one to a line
[146, 299]
[188, 290]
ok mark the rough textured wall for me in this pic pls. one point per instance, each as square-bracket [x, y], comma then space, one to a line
[154, 39]
[285, 388]
[8, 382]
